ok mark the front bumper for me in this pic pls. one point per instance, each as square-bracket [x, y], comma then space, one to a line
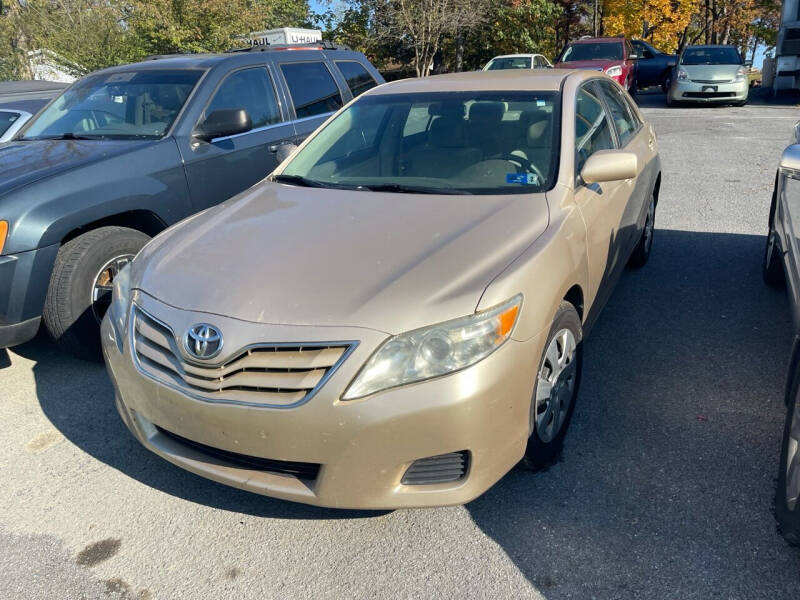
[24, 278]
[709, 93]
[363, 447]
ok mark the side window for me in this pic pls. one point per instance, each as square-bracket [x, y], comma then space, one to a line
[592, 127]
[538, 62]
[252, 90]
[624, 119]
[313, 90]
[358, 78]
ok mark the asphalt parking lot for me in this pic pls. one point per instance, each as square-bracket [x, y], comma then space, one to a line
[664, 491]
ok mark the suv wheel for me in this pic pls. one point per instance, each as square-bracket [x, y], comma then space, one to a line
[81, 283]
[556, 390]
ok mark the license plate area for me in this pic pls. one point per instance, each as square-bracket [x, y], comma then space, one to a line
[710, 88]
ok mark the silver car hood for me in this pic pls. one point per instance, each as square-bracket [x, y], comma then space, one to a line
[393, 262]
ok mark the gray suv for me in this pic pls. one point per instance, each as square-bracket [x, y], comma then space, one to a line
[128, 151]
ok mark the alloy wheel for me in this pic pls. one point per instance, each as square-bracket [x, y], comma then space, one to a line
[555, 386]
[104, 284]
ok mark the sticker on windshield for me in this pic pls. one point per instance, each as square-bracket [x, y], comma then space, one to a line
[522, 178]
[120, 77]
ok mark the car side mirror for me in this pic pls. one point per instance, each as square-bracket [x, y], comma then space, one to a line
[610, 165]
[222, 123]
[633, 56]
[748, 64]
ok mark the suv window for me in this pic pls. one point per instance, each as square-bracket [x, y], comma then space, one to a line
[252, 90]
[592, 127]
[624, 119]
[358, 78]
[313, 90]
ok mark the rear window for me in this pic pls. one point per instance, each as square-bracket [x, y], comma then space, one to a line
[7, 119]
[357, 77]
[313, 90]
[711, 56]
[509, 62]
[593, 51]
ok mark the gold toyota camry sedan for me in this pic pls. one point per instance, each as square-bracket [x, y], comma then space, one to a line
[394, 318]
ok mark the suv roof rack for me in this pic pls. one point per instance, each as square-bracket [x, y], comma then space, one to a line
[266, 46]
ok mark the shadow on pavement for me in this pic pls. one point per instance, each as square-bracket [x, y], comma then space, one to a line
[666, 483]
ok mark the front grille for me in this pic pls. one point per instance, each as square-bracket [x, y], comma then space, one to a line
[275, 375]
[444, 468]
[714, 81]
[302, 470]
[709, 94]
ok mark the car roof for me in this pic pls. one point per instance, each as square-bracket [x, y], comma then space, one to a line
[598, 39]
[516, 55]
[544, 80]
[711, 46]
[206, 61]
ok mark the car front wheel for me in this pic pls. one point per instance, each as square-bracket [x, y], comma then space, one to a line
[81, 283]
[787, 494]
[556, 389]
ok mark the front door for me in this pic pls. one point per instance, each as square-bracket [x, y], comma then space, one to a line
[225, 166]
[602, 205]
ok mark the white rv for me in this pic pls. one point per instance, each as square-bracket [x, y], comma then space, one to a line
[787, 52]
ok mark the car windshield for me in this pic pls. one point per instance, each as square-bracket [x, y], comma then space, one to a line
[711, 56]
[509, 62]
[120, 105]
[593, 51]
[438, 143]
[7, 119]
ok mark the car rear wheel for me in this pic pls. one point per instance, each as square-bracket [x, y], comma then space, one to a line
[641, 253]
[666, 82]
[557, 382]
[80, 286]
[787, 493]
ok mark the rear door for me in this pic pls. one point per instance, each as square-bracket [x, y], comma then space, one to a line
[225, 166]
[313, 92]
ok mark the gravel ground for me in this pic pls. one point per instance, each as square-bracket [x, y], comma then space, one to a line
[665, 489]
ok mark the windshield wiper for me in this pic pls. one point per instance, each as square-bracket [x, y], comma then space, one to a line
[62, 136]
[298, 180]
[411, 189]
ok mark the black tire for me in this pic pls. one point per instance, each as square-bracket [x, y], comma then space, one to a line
[666, 82]
[641, 253]
[788, 518]
[69, 314]
[540, 454]
[771, 267]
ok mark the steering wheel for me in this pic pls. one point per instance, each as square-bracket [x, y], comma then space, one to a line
[526, 165]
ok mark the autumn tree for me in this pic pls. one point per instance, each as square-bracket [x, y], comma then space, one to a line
[660, 21]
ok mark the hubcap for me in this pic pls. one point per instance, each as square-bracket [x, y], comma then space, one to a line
[649, 225]
[793, 461]
[555, 385]
[104, 283]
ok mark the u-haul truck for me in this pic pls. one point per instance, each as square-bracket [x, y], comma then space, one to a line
[284, 35]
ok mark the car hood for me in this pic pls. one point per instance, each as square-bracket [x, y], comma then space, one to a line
[711, 72]
[592, 65]
[22, 163]
[392, 262]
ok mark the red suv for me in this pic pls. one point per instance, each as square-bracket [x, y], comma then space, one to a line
[614, 56]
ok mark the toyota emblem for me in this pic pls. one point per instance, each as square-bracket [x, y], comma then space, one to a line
[203, 341]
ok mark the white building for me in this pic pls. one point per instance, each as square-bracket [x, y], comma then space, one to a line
[787, 52]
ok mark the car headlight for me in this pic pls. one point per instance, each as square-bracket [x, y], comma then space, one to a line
[682, 75]
[614, 71]
[741, 74]
[120, 301]
[436, 350]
